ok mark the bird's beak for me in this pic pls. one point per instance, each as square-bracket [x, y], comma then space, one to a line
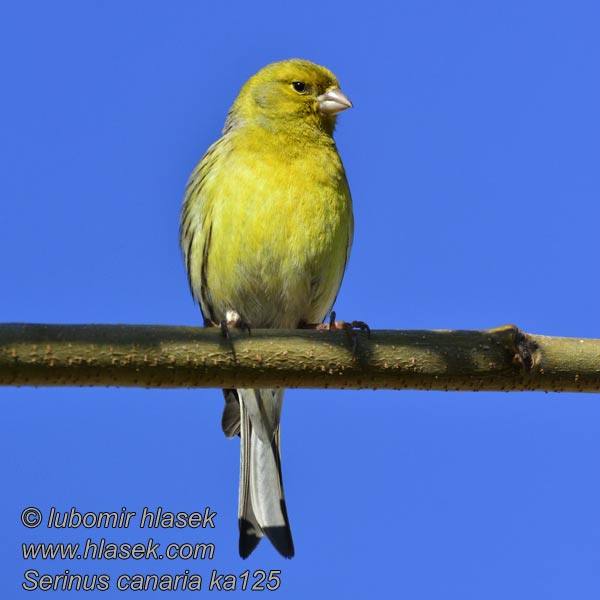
[333, 102]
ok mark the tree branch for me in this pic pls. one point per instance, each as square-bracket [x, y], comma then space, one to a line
[501, 359]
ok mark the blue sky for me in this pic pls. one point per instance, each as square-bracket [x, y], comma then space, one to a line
[472, 153]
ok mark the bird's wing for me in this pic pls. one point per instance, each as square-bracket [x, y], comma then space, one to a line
[195, 228]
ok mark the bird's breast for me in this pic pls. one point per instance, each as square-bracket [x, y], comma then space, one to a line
[280, 232]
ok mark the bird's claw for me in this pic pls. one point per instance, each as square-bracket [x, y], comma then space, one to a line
[225, 329]
[357, 325]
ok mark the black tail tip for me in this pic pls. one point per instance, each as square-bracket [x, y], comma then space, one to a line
[280, 537]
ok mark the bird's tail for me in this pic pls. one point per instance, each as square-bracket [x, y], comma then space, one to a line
[262, 509]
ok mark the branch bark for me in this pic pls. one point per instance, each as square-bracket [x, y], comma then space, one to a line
[501, 359]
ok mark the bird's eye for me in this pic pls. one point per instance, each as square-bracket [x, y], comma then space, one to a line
[299, 86]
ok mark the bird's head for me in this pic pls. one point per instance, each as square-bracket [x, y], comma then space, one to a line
[291, 93]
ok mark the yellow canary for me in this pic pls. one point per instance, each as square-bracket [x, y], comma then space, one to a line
[266, 230]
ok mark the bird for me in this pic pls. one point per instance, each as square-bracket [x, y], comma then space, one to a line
[266, 229]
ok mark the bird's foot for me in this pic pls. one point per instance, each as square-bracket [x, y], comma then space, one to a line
[333, 325]
[232, 320]
[350, 327]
